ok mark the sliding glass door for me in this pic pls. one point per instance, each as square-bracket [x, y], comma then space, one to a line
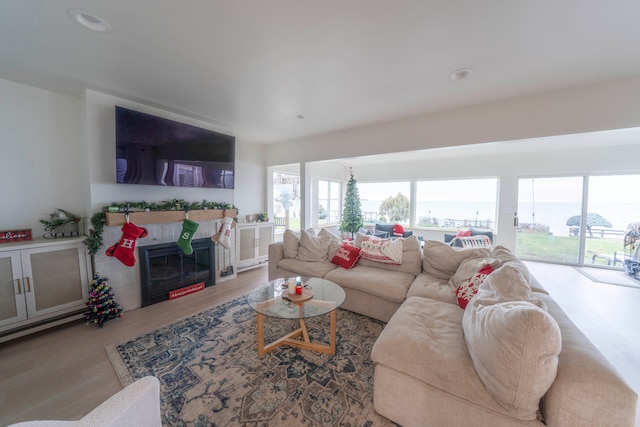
[544, 207]
[613, 207]
[551, 226]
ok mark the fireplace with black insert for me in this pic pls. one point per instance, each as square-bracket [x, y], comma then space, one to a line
[165, 268]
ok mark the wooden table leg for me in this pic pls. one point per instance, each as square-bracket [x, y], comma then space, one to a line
[260, 326]
[332, 336]
[290, 339]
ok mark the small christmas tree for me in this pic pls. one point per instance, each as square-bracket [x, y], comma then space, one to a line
[101, 305]
[352, 214]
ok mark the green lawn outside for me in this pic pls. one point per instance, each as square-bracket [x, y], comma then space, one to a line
[548, 247]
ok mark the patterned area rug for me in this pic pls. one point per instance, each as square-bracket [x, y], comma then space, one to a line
[211, 375]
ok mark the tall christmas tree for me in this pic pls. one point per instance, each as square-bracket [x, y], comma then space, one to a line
[352, 214]
[101, 305]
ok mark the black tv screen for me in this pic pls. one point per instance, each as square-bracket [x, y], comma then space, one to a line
[152, 150]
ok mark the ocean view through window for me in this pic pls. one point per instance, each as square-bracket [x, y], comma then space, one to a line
[551, 227]
[457, 203]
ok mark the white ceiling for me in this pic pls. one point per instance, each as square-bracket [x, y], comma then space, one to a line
[251, 66]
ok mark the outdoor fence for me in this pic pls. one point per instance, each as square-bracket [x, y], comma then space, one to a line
[597, 232]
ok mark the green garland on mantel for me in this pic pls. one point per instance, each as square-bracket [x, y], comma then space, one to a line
[98, 220]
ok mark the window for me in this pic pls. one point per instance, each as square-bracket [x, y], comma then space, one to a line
[545, 206]
[286, 200]
[551, 227]
[613, 206]
[329, 196]
[457, 203]
[385, 202]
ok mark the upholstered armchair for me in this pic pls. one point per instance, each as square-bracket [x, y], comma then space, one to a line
[137, 405]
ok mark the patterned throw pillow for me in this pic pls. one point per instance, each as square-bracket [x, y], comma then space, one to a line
[469, 288]
[381, 250]
[346, 256]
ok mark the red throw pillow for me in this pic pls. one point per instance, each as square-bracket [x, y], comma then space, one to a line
[347, 256]
[398, 230]
[464, 233]
[469, 288]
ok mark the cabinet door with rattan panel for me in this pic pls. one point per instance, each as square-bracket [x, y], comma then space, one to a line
[253, 244]
[56, 279]
[42, 281]
[13, 307]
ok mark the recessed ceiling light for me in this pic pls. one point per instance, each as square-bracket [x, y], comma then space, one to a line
[89, 20]
[461, 73]
[299, 116]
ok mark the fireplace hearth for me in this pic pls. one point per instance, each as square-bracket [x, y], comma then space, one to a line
[165, 267]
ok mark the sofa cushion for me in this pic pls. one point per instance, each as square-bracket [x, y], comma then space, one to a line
[514, 343]
[427, 286]
[442, 261]
[387, 251]
[334, 242]
[411, 256]
[424, 340]
[508, 283]
[506, 256]
[313, 248]
[346, 256]
[290, 243]
[390, 285]
[306, 268]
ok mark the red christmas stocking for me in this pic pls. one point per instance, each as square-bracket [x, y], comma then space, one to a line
[124, 249]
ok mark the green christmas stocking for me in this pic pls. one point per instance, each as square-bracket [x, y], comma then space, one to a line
[188, 230]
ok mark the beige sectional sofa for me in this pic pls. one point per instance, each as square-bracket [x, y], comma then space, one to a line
[510, 358]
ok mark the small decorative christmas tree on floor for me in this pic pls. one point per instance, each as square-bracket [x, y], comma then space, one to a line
[352, 213]
[101, 305]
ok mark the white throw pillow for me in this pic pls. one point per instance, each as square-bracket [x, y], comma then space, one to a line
[290, 243]
[313, 248]
[442, 261]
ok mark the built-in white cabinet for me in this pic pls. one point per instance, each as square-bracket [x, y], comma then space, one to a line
[252, 244]
[42, 284]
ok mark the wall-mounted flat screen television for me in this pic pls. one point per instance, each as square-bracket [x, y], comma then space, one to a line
[152, 150]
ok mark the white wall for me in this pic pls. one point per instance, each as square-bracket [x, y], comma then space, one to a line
[251, 186]
[43, 156]
[59, 152]
[606, 106]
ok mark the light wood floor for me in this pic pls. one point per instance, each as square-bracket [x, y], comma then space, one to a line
[63, 373]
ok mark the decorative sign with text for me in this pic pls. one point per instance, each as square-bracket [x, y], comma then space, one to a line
[15, 235]
[186, 290]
